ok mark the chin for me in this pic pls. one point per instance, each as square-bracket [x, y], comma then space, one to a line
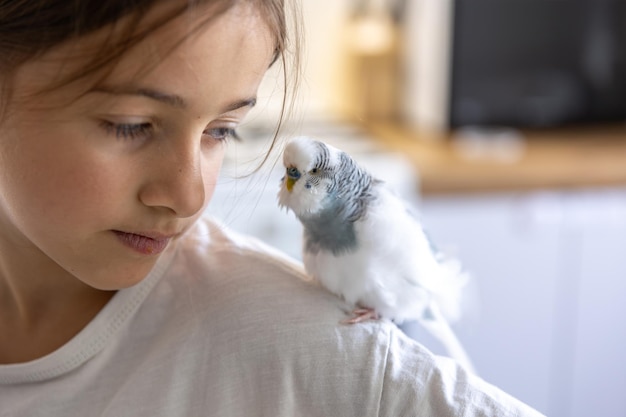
[119, 278]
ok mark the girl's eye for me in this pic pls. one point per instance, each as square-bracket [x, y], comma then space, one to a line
[222, 133]
[128, 130]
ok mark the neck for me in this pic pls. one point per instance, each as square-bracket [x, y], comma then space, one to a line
[42, 306]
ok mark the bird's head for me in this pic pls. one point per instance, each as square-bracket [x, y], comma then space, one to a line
[309, 171]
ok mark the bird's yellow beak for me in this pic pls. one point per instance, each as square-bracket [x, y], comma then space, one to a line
[291, 176]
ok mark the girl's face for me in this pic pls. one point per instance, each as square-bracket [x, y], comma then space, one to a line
[97, 185]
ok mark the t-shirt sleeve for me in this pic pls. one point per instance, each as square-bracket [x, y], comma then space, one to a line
[418, 383]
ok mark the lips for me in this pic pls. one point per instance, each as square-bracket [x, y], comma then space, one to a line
[144, 243]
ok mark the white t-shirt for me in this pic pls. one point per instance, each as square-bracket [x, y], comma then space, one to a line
[225, 326]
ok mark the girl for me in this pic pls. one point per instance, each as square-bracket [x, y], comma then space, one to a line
[116, 298]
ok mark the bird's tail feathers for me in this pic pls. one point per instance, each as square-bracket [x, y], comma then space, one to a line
[437, 325]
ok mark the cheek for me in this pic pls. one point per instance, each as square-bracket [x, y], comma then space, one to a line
[211, 166]
[62, 185]
[86, 190]
[79, 180]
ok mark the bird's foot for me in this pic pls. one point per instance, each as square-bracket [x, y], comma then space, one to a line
[360, 315]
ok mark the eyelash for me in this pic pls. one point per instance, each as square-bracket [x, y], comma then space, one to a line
[130, 131]
[223, 133]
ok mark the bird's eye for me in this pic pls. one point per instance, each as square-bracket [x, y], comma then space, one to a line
[293, 172]
[314, 171]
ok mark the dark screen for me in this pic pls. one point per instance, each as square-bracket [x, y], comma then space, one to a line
[538, 62]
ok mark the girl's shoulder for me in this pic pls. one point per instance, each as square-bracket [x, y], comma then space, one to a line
[217, 244]
[222, 267]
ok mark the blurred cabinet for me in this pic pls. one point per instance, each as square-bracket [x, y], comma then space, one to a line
[599, 372]
[546, 312]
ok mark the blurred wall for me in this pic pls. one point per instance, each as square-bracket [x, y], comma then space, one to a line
[322, 91]
[324, 86]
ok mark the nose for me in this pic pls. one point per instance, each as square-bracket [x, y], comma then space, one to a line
[175, 181]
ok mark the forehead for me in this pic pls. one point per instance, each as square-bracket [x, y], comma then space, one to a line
[183, 45]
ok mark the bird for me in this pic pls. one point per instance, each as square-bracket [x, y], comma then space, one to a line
[366, 245]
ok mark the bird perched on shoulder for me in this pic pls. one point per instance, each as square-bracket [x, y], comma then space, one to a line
[364, 244]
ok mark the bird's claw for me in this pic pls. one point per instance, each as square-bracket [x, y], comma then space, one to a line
[360, 315]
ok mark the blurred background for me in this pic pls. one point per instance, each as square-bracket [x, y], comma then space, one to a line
[504, 124]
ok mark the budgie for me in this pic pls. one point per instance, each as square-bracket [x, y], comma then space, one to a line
[363, 243]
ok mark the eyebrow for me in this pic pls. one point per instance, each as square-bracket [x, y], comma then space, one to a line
[172, 100]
